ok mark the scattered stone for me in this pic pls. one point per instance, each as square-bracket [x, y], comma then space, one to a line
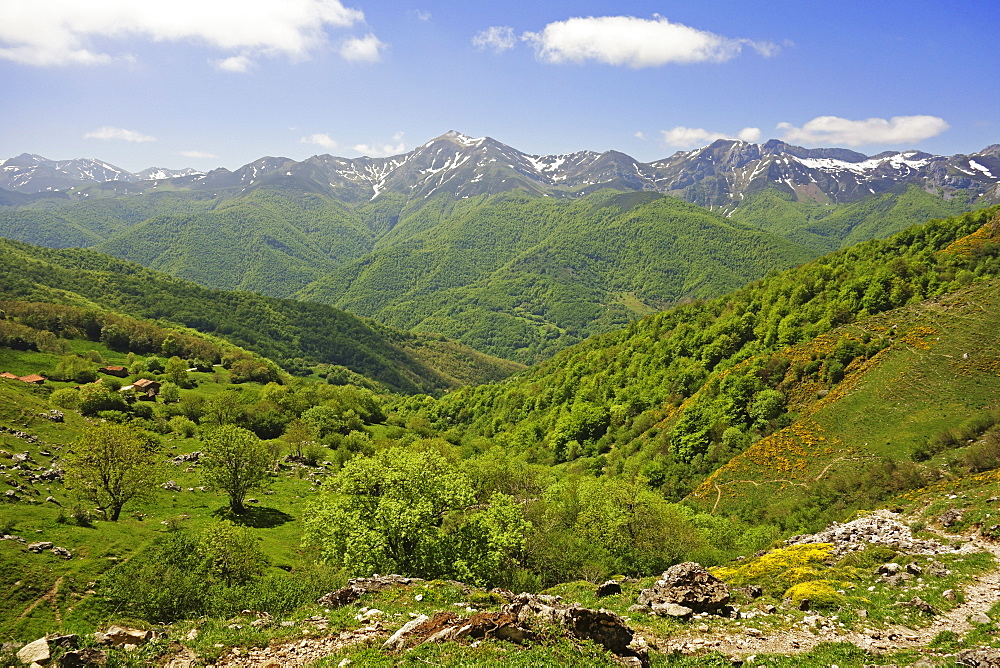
[645, 609]
[52, 499]
[53, 415]
[913, 569]
[62, 552]
[171, 486]
[951, 517]
[40, 546]
[805, 604]
[688, 585]
[978, 658]
[190, 457]
[609, 588]
[948, 594]
[980, 618]
[358, 587]
[878, 528]
[35, 652]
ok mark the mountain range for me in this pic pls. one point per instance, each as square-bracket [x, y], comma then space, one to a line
[718, 176]
[515, 255]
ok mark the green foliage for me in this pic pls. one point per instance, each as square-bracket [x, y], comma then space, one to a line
[76, 369]
[275, 328]
[235, 462]
[112, 465]
[406, 511]
[232, 553]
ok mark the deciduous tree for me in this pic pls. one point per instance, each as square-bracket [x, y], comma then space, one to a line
[114, 464]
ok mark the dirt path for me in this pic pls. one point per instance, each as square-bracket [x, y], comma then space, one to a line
[49, 596]
[980, 595]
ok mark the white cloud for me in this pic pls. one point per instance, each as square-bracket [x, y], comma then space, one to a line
[383, 150]
[108, 132]
[640, 135]
[201, 155]
[238, 64]
[63, 32]
[367, 49]
[320, 139]
[682, 137]
[836, 131]
[422, 15]
[636, 42]
[495, 38]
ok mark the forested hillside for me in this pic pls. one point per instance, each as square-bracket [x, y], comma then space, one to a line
[521, 277]
[296, 334]
[678, 394]
[521, 274]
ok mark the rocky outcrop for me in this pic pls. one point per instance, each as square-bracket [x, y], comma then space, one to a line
[601, 626]
[516, 622]
[875, 529]
[684, 589]
[358, 587]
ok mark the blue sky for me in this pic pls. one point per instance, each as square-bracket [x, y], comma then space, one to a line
[208, 83]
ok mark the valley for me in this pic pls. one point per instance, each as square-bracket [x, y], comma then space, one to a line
[858, 386]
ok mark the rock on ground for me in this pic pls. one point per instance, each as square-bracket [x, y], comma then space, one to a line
[688, 585]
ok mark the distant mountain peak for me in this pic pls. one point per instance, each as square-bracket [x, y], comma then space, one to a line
[719, 175]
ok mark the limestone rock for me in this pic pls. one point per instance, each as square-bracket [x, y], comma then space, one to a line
[671, 610]
[35, 652]
[688, 585]
[118, 636]
[358, 587]
[602, 626]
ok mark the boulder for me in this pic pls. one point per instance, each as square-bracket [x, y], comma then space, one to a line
[671, 610]
[90, 656]
[40, 546]
[35, 652]
[118, 636]
[602, 626]
[609, 588]
[688, 585]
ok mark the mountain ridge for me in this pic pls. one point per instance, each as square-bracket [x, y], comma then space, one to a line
[717, 176]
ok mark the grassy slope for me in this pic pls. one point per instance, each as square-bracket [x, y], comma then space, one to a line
[279, 329]
[825, 228]
[884, 408]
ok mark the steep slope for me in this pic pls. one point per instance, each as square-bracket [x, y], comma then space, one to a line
[826, 228]
[521, 277]
[282, 330]
[679, 394]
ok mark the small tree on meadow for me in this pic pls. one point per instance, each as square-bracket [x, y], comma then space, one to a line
[235, 462]
[113, 464]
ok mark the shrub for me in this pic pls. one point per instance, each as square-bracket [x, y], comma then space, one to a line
[819, 593]
[182, 426]
[66, 398]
